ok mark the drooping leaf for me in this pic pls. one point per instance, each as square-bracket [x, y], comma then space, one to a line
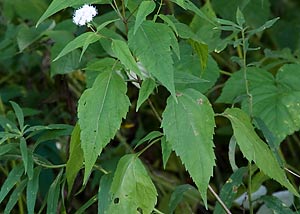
[32, 189]
[13, 199]
[275, 99]
[57, 5]
[151, 44]
[145, 8]
[254, 149]
[101, 109]
[189, 127]
[121, 50]
[103, 193]
[53, 195]
[11, 180]
[147, 87]
[230, 189]
[132, 189]
[75, 161]
[81, 41]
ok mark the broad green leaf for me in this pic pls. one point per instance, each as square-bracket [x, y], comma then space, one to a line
[147, 87]
[19, 114]
[24, 153]
[121, 50]
[145, 8]
[75, 161]
[201, 50]
[53, 195]
[276, 205]
[166, 149]
[57, 5]
[189, 127]
[132, 188]
[254, 149]
[103, 193]
[100, 111]
[149, 137]
[177, 196]
[32, 189]
[151, 44]
[83, 41]
[230, 189]
[11, 180]
[275, 99]
[13, 199]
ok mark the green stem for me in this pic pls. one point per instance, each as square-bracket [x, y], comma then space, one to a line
[154, 110]
[159, 8]
[249, 188]
[219, 200]
[147, 147]
[157, 211]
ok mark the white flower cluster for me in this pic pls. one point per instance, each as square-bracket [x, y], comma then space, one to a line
[84, 15]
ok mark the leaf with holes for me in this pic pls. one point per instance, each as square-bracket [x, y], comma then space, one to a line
[132, 189]
[254, 149]
[101, 109]
[275, 99]
[189, 128]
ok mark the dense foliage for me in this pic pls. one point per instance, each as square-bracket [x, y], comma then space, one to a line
[149, 106]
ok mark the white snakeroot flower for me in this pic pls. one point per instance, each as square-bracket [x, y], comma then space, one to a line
[84, 15]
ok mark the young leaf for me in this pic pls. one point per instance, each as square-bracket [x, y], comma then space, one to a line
[151, 44]
[100, 111]
[254, 149]
[19, 113]
[145, 8]
[189, 127]
[121, 50]
[240, 17]
[103, 193]
[32, 189]
[53, 195]
[75, 161]
[11, 180]
[83, 40]
[14, 197]
[132, 189]
[146, 89]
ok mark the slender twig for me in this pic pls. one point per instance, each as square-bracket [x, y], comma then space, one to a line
[157, 211]
[293, 173]
[154, 110]
[219, 200]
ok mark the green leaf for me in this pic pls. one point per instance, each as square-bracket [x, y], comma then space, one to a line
[145, 8]
[177, 196]
[189, 127]
[24, 153]
[75, 161]
[230, 189]
[19, 113]
[11, 180]
[57, 5]
[166, 149]
[101, 109]
[202, 51]
[276, 205]
[84, 40]
[231, 153]
[132, 189]
[145, 91]
[254, 149]
[53, 195]
[32, 189]
[275, 99]
[149, 137]
[240, 17]
[86, 205]
[7, 147]
[122, 52]
[103, 193]
[15, 196]
[151, 44]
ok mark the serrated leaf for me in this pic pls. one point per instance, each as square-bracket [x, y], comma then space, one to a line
[147, 87]
[254, 149]
[151, 44]
[230, 189]
[103, 193]
[145, 8]
[275, 100]
[57, 5]
[132, 188]
[101, 109]
[19, 114]
[83, 41]
[75, 161]
[177, 196]
[189, 127]
[166, 149]
[121, 50]
[11, 180]
[53, 195]
[13, 199]
[32, 189]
